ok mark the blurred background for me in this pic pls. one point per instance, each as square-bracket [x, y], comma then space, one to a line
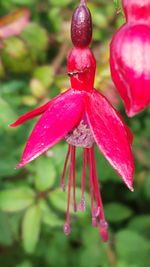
[33, 51]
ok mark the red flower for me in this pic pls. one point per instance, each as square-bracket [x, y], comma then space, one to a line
[83, 117]
[130, 56]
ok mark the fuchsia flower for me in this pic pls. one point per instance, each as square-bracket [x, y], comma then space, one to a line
[83, 117]
[130, 56]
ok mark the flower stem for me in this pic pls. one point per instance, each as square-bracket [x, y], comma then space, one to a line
[83, 2]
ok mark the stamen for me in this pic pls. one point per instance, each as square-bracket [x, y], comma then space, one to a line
[96, 184]
[67, 224]
[103, 223]
[82, 202]
[73, 156]
[82, 205]
[104, 230]
[62, 184]
[97, 211]
[94, 222]
[80, 136]
[66, 229]
[91, 183]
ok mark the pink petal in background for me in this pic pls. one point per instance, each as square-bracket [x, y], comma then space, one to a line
[14, 23]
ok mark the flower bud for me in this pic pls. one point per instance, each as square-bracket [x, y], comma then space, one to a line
[130, 57]
[81, 26]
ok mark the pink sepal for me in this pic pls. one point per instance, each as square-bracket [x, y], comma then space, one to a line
[62, 115]
[30, 115]
[111, 135]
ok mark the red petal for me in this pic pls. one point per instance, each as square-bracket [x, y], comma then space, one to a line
[14, 23]
[64, 113]
[30, 115]
[111, 135]
[128, 131]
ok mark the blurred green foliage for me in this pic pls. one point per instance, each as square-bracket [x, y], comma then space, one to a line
[32, 206]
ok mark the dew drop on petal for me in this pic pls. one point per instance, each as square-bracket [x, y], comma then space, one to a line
[66, 228]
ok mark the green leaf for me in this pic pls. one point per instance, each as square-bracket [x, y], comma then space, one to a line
[132, 248]
[7, 115]
[24, 263]
[5, 230]
[44, 74]
[31, 228]
[16, 199]
[15, 55]
[94, 252]
[36, 37]
[59, 199]
[141, 224]
[48, 216]
[24, 2]
[45, 173]
[147, 186]
[117, 212]
[2, 70]
[59, 3]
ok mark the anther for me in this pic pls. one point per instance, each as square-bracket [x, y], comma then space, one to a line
[94, 222]
[104, 230]
[96, 211]
[82, 205]
[66, 228]
[103, 223]
[63, 187]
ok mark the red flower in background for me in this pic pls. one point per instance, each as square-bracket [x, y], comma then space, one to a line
[130, 56]
[83, 117]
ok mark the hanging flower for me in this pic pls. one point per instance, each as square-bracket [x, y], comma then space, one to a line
[83, 117]
[130, 56]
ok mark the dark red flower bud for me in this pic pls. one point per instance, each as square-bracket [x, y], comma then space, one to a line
[81, 26]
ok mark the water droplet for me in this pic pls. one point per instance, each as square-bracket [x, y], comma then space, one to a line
[66, 228]
[82, 205]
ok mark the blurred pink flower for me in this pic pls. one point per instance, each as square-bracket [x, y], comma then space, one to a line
[13, 23]
[130, 56]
